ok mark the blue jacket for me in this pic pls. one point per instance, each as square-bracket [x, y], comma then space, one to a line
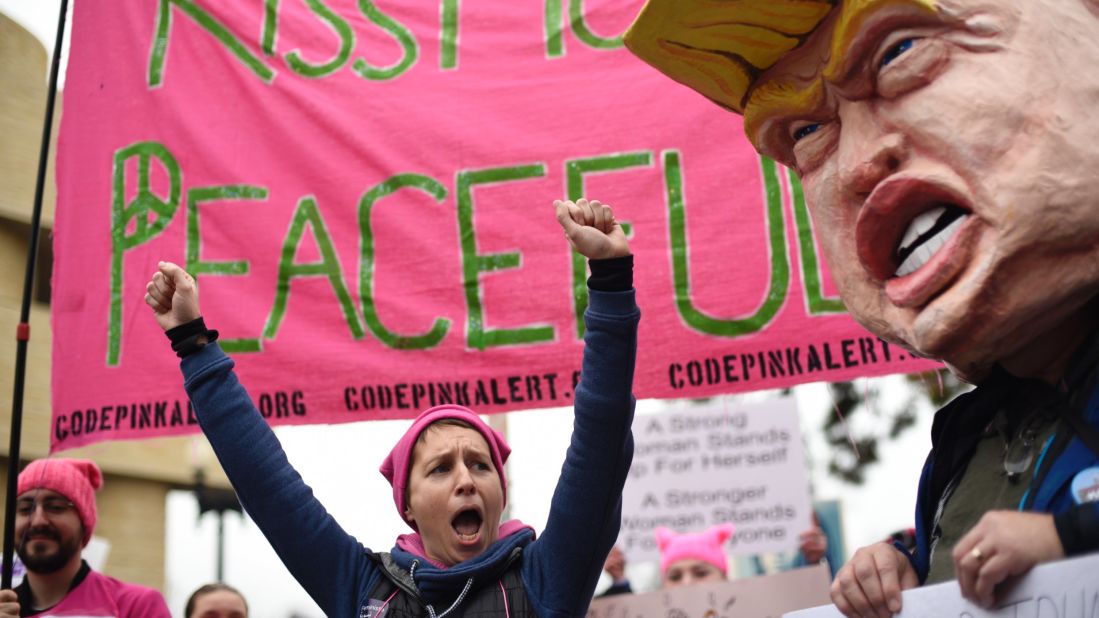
[559, 570]
[957, 429]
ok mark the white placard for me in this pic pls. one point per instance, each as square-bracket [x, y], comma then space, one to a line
[1065, 589]
[752, 597]
[717, 462]
[96, 552]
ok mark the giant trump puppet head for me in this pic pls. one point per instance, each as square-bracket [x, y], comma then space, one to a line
[949, 151]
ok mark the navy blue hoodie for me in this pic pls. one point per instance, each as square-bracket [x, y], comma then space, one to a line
[559, 570]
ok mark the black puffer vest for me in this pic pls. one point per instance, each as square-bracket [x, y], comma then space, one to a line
[396, 595]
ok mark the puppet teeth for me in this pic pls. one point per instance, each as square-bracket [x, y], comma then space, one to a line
[920, 226]
[922, 254]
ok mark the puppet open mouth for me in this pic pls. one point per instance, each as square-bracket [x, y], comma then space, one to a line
[926, 234]
[908, 225]
[467, 524]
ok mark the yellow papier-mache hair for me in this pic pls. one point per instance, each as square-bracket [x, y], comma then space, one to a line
[777, 99]
[720, 47]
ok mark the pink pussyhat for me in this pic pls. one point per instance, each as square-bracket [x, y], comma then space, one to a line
[76, 479]
[395, 468]
[706, 546]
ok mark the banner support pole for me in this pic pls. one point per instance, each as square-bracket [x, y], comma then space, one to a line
[23, 330]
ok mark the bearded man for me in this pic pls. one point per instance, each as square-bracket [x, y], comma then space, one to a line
[948, 151]
[55, 515]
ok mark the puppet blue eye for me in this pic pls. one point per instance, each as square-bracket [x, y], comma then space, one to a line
[894, 52]
[807, 130]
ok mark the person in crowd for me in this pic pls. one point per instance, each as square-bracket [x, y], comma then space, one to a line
[693, 558]
[216, 600]
[615, 566]
[815, 545]
[812, 543]
[447, 471]
[812, 548]
[55, 516]
[947, 151]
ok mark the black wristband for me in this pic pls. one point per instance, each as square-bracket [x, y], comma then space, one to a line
[185, 337]
[1078, 528]
[611, 274]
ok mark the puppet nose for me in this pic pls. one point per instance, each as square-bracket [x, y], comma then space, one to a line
[869, 152]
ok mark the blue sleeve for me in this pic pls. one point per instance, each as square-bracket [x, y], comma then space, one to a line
[1078, 528]
[329, 563]
[560, 569]
[921, 557]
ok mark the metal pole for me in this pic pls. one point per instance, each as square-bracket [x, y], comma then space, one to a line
[221, 546]
[23, 330]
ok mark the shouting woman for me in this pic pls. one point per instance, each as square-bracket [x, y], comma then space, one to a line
[447, 471]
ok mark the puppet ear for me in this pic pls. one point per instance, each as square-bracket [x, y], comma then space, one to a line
[722, 532]
[664, 537]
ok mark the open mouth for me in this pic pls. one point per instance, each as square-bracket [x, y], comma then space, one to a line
[905, 223]
[926, 234]
[467, 525]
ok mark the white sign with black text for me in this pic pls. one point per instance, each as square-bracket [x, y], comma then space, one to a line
[714, 462]
[1065, 589]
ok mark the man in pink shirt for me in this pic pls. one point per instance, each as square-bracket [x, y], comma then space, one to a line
[55, 515]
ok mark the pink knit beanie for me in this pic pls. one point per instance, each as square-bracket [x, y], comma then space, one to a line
[76, 479]
[707, 546]
[396, 464]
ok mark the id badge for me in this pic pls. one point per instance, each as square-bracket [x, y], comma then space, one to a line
[1085, 486]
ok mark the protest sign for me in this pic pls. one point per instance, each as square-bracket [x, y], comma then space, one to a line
[714, 462]
[363, 189]
[755, 597]
[1065, 589]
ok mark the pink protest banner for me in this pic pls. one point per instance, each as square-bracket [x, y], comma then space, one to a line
[363, 191]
